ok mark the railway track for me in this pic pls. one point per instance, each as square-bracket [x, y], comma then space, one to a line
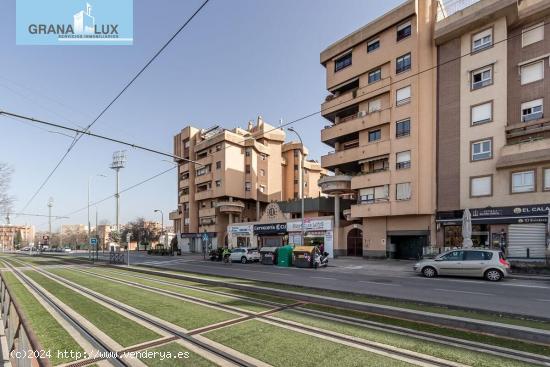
[460, 343]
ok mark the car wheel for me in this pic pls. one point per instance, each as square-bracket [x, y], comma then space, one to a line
[243, 260]
[429, 272]
[493, 275]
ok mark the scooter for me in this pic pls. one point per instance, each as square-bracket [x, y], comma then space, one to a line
[320, 260]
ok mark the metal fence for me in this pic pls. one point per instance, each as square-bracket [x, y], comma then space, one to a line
[23, 348]
[447, 8]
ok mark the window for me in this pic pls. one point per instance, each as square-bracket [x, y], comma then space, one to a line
[546, 179]
[403, 96]
[375, 76]
[403, 63]
[342, 62]
[531, 110]
[375, 105]
[262, 188]
[376, 165]
[218, 164]
[375, 135]
[532, 34]
[263, 156]
[481, 186]
[218, 183]
[482, 77]
[482, 40]
[247, 186]
[296, 153]
[202, 171]
[403, 191]
[373, 45]
[481, 113]
[453, 256]
[295, 167]
[247, 152]
[523, 181]
[403, 31]
[374, 194]
[218, 147]
[296, 182]
[481, 150]
[262, 172]
[532, 72]
[403, 160]
[477, 255]
[403, 128]
[247, 168]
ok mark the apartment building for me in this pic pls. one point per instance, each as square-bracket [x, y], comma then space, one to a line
[381, 111]
[9, 234]
[229, 176]
[493, 134]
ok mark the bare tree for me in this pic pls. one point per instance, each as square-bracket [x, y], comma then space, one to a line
[6, 200]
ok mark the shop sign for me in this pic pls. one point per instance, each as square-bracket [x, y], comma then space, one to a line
[271, 228]
[310, 224]
[240, 229]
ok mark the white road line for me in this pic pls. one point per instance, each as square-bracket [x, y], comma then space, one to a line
[525, 286]
[452, 290]
[543, 300]
[379, 283]
[324, 278]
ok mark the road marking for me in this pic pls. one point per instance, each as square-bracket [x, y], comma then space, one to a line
[324, 278]
[543, 300]
[467, 292]
[525, 286]
[379, 283]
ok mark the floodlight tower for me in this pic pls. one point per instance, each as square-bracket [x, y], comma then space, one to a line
[119, 160]
[50, 204]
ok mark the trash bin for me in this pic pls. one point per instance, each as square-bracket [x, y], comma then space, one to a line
[268, 255]
[303, 256]
[284, 256]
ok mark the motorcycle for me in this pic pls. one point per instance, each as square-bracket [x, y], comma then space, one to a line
[320, 260]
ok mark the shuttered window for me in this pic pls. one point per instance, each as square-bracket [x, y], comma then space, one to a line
[375, 105]
[532, 34]
[481, 186]
[403, 96]
[532, 72]
[403, 191]
[482, 113]
[547, 179]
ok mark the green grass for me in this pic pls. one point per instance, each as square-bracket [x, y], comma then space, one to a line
[185, 314]
[51, 335]
[419, 326]
[124, 331]
[224, 300]
[478, 315]
[11, 261]
[439, 350]
[281, 347]
[175, 355]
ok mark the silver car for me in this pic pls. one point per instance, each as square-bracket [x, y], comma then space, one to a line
[488, 264]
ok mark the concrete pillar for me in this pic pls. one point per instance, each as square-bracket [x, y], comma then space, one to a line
[336, 231]
[257, 210]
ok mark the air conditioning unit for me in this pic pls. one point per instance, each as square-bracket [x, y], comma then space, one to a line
[361, 113]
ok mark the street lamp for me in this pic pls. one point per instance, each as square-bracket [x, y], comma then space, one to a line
[161, 225]
[302, 178]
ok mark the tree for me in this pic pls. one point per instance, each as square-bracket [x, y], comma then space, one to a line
[6, 200]
[142, 231]
[17, 239]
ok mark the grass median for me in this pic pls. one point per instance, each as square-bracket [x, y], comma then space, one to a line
[51, 335]
[185, 314]
[440, 350]
[173, 355]
[281, 347]
[124, 331]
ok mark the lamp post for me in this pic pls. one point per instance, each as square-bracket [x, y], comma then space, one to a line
[301, 179]
[89, 184]
[161, 225]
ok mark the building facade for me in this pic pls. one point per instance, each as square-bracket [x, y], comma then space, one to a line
[229, 176]
[381, 113]
[10, 234]
[493, 135]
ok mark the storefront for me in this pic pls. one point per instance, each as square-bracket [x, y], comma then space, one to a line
[271, 234]
[193, 242]
[520, 230]
[240, 235]
[317, 232]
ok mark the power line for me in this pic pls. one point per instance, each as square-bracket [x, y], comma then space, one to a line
[77, 138]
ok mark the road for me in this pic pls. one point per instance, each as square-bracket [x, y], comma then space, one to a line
[382, 278]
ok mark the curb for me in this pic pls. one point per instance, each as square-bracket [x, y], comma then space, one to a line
[489, 327]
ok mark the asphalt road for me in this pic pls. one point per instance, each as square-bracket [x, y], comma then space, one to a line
[382, 278]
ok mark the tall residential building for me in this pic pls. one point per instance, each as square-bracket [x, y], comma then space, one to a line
[229, 176]
[493, 133]
[381, 123]
[9, 234]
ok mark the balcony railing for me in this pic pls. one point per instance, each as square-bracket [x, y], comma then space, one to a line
[446, 8]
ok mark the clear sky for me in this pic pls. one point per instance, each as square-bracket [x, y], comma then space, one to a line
[237, 59]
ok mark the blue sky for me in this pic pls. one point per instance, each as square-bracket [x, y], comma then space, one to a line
[237, 59]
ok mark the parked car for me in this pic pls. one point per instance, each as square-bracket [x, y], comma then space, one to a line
[68, 249]
[244, 254]
[488, 264]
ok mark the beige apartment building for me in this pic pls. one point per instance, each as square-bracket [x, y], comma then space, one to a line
[9, 233]
[493, 133]
[381, 113]
[229, 176]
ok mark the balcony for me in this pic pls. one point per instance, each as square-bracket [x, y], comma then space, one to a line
[355, 154]
[333, 104]
[370, 180]
[184, 167]
[203, 178]
[530, 130]
[184, 183]
[203, 161]
[202, 195]
[184, 198]
[330, 134]
[230, 207]
[335, 185]
[525, 153]
[347, 215]
[375, 209]
[175, 215]
[207, 212]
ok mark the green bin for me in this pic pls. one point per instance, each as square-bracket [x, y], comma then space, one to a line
[284, 256]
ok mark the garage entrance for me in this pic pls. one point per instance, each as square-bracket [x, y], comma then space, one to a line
[355, 242]
[409, 247]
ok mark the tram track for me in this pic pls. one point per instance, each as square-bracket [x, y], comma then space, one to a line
[436, 338]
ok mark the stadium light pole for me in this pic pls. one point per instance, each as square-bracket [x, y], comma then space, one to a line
[119, 161]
